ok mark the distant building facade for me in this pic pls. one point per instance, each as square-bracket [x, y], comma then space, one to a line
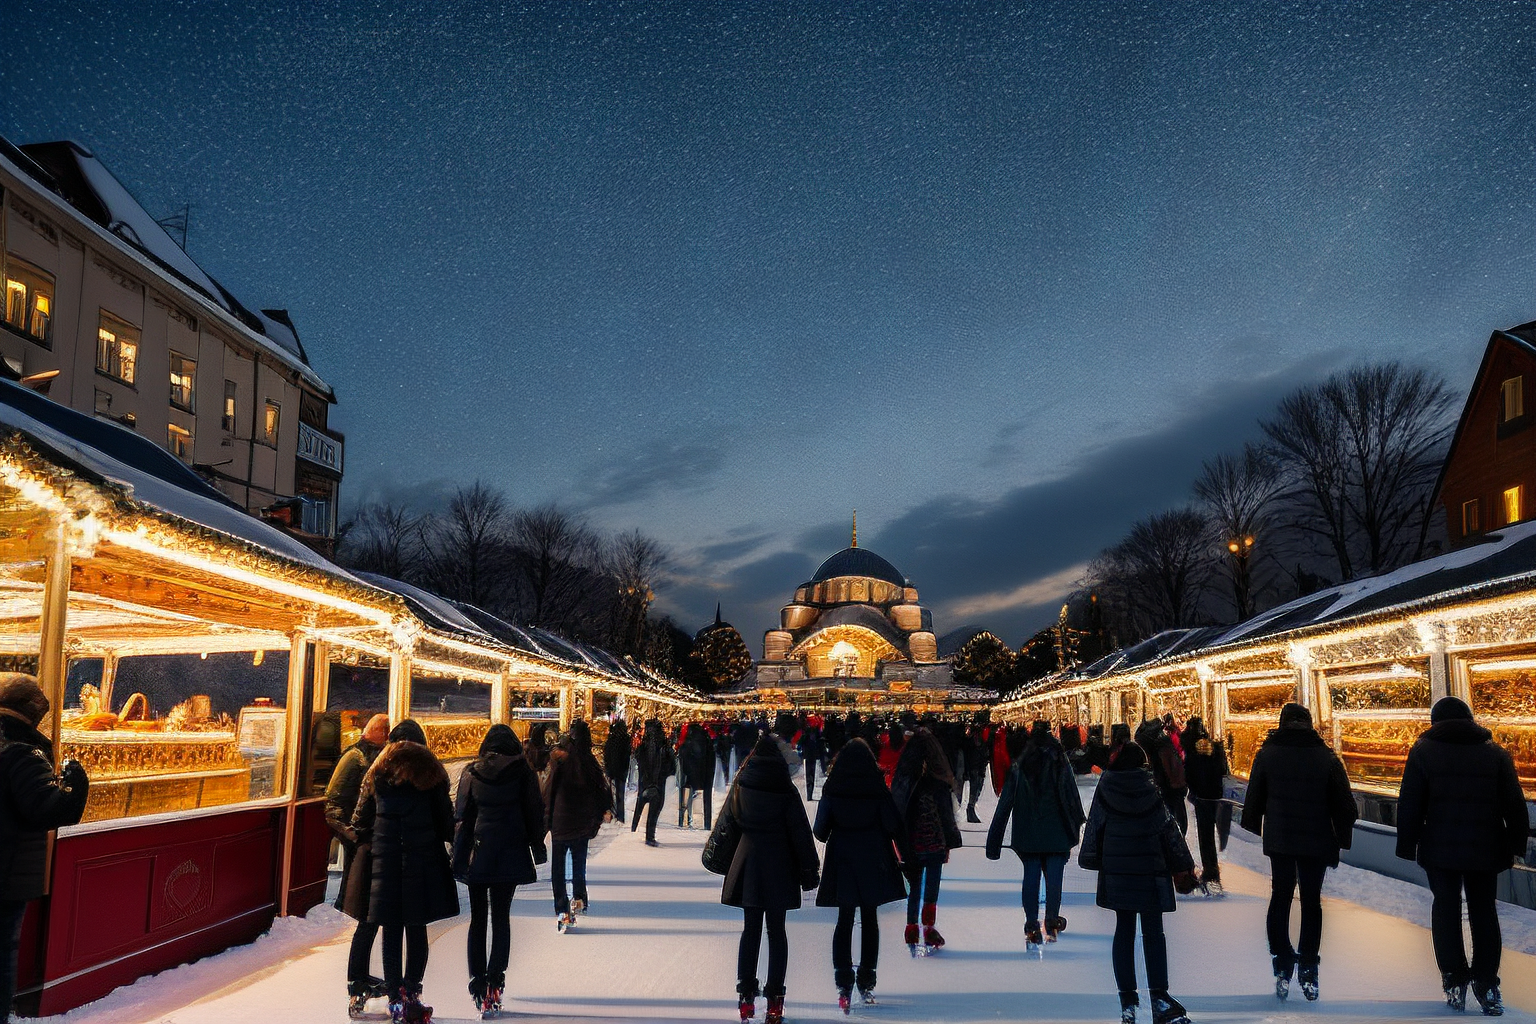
[1489, 479]
[106, 314]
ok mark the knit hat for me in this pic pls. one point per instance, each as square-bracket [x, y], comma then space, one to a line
[408, 731]
[21, 694]
[1295, 716]
[1128, 757]
[1449, 709]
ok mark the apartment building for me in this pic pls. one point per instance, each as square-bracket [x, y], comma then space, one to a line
[105, 313]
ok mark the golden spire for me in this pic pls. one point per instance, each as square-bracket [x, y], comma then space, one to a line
[855, 529]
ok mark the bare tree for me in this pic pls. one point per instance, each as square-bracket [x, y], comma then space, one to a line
[636, 563]
[1157, 575]
[383, 537]
[556, 559]
[1238, 493]
[468, 547]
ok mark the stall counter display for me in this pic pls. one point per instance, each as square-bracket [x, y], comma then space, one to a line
[454, 739]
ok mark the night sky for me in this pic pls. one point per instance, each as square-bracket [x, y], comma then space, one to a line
[998, 276]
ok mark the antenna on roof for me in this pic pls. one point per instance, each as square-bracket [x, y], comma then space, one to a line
[855, 529]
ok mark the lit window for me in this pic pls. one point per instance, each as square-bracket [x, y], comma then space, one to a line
[270, 422]
[179, 441]
[1471, 517]
[1513, 392]
[29, 301]
[1513, 505]
[117, 348]
[183, 374]
[229, 407]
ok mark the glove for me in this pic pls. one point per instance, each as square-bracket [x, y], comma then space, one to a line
[72, 773]
[1185, 882]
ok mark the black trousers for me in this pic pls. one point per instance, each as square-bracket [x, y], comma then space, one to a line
[923, 877]
[652, 799]
[490, 905]
[618, 797]
[869, 947]
[685, 806]
[1154, 950]
[414, 939]
[1178, 808]
[360, 954]
[1482, 917]
[11, 912]
[577, 848]
[1205, 824]
[975, 780]
[1286, 873]
[810, 776]
[753, 921]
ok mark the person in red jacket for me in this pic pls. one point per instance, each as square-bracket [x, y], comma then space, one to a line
[890, 751]
[1001, 761]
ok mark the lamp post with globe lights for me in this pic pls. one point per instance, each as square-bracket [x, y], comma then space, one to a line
[1240, 548]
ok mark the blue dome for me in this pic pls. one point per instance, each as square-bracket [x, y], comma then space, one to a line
[858, 562]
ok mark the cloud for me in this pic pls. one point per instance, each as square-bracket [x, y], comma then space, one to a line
[660, 466]
[1047, 589]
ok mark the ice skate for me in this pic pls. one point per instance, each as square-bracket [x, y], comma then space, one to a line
[1054, 926]
[1282, 982]
[914, 942]
[1455, 993]
[357, 1007]
[1167, 1010]
[578, 906]
[1307, 976]
[932, 939]
[1213, 890]
[565, 922]
[1490, 1000]
[867, 996]
[845, 998]
[1034, 942]
[1128, 1003]
[775, 1014]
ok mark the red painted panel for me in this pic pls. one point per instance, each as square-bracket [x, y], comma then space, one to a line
[243, 867]
[29, 967]
[311, 858]
[102, 926]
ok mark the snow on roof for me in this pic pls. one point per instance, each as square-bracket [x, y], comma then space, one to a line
[439, 613]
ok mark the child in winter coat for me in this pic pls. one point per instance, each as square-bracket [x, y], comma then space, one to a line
[1040, 799]
[1135, 845]
[858, 821]
[498, 842]
[924, 794]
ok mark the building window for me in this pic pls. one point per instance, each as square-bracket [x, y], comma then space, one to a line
[29, 300]
[183, 376]
[1471, 517]
[229, 407]
[1514, 505]
[117, 348]
[179, 441]
[269, 423]
[1513, 398]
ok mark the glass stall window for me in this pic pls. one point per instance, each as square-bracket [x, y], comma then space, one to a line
[357, 689]
[455, 713]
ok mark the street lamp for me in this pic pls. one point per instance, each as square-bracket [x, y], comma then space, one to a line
[1240, 548]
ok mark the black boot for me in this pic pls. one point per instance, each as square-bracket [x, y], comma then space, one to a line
[1307, 976]
[1167, 1010]
[1455, 991]
[1128, 1003]
[1489, 999]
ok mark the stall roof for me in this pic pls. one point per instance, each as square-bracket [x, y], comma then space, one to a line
[433, 610]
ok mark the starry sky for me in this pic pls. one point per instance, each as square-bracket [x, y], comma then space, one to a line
[999, 276]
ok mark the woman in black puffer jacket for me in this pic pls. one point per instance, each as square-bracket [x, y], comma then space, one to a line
[858, 821]
[923, 788]
[774, 860]
[500, 838]
[655, 764]
[405, 816]
[1134, 844]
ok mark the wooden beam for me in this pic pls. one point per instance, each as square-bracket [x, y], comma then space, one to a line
[51, 665]
[399, 687]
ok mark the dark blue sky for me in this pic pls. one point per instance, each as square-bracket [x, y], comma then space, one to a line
[999, 276]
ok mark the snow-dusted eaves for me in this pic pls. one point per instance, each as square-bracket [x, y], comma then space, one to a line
[431, 609]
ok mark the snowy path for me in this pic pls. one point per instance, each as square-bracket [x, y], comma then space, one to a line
[658, 945]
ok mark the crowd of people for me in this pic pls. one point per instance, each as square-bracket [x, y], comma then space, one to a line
[887, 816]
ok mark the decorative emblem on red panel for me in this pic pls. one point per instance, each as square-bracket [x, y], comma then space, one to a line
[186, 891]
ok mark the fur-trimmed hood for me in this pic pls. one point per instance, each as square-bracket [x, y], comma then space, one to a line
[404, 763]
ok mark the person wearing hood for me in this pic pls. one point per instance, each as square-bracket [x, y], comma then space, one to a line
[576, 799]
[1299, 800]
[1135, 845]
[858, 821]
[1205, 771]
[924, 795]
[696, 761]
[499, 838]
[33, 801]
[655, 764]
[340, 804]
[1461, 815]
[774, 860]
[1040, 800]
[616, 754]
[1167, 766]
[405, 815]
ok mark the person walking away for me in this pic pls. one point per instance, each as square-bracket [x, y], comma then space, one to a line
[1119, 736]
[743, 739]
[33, 801]
[1000, 759]
[923, 791]
[722, 740]
[406, 815]
[1167, 768]
[1299, 801]
[889, 754]
[655, 764]
[812, 749]
[858, 821]
[1095, 751]
[616, 752]
[340, 804]
[1040, 801]
[576, 798]
[697, 763]
[1134, 844]
[1462, 816]
[975, 755]
[497, 843]
[1205, 772]
[775, 859]
[833, 736]
[536, 750]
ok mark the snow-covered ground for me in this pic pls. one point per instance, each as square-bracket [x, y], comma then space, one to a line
[658, 945]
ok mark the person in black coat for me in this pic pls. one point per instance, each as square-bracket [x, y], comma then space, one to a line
[655, 764]
[616, 754]
[924, 793]
[974, 753]
[340, 804]
[33, 801]
[1167, 767]
[1095, 751]
[1135, 845]
[1205, 771]
[743, 738]
[722, 741]
[834, 736]
[1461, 814]
[858, 821]
[499, 838]
[696, 761]
[1299, 800]
[405, 815]
[812, 749]
[576, 799]
[774, 860]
